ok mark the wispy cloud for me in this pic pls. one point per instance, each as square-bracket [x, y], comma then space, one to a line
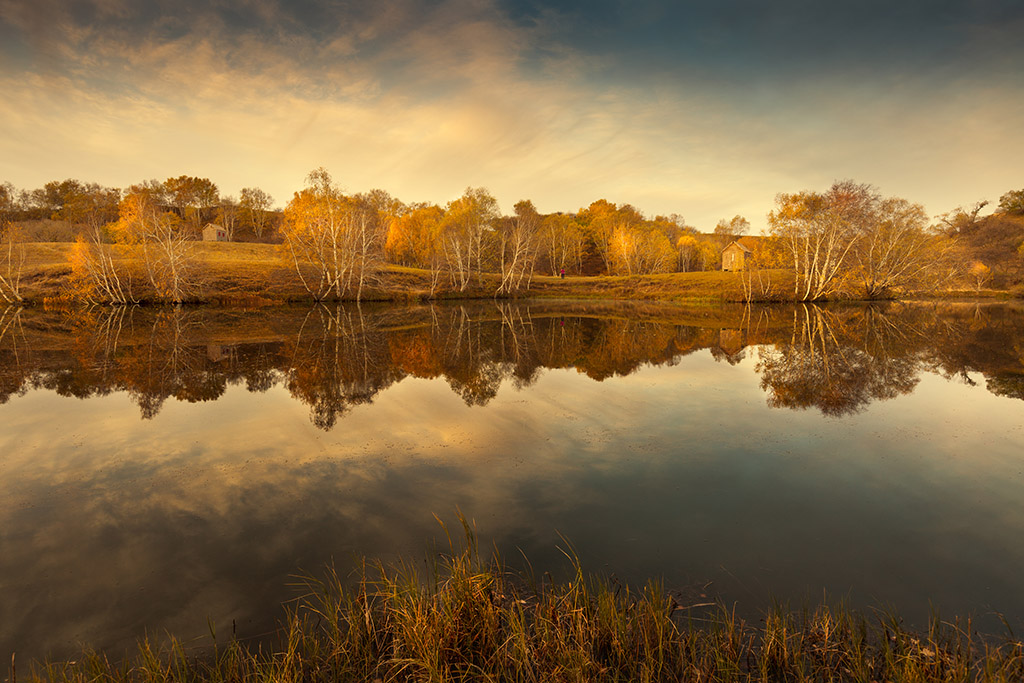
[672, 108]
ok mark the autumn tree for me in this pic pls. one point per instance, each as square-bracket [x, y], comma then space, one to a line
[194, 199]
[49, 200]
[412, 236]
[518, 247]
[820, 230]
[414, 239]
[600, 222]
[12, 252]
[852, 237]
[8, 203]
[961, 220]
[384, 206]
[893, 248]
[467, 220]
[640, 249]
[12, 261]
[979, 274]
[766, 253]
[562, 243]
[697, 252]
[1012, 202]
[97, 276]
[727, 231]
[163, 239]
[335, 242]
[687, 257]
[89, 205]
[228, 216]
[994, 239]
[255, 205]
[369, 216]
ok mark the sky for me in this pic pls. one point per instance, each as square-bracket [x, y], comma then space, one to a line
[702, 109]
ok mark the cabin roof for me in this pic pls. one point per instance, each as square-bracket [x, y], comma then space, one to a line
[743, 247]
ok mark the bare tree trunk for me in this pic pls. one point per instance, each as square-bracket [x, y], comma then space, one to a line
[12, 262]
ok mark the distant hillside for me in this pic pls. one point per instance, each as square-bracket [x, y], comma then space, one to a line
[998, 242]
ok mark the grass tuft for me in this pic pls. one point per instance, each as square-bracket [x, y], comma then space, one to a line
[465, 619]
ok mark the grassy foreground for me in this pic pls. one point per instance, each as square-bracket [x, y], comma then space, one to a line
[467, 620]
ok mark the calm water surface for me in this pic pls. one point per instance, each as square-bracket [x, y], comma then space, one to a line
[162, 467]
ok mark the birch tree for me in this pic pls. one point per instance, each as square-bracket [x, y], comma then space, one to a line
[563, 243]
[254, 205]
[820, 231]
[466, 222]
[12, 252]
[96, 276]
[227, 216]
[12, 261]
[518, 246]
[895, 249]
[335, 242]
[163, 239]
[851, 238]
[640, 250]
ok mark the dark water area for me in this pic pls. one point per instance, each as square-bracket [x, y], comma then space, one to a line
[162, 469]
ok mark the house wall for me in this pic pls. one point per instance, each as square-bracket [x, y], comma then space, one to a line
[734, 259]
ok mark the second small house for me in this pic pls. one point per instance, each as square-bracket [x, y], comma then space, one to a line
[214, 233]
[735, 257]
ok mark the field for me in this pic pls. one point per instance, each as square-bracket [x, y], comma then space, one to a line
[249, 272]
[246, 270]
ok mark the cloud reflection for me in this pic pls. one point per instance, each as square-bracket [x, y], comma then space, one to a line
[112, 525]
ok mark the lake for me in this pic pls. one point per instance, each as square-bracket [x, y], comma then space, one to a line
[166, 469]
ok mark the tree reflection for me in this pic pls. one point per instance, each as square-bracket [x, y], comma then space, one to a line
[839, 363]
[338, 359]
[331, 359]
[15, 369]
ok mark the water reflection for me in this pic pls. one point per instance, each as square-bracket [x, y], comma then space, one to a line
[13, 349]
[841, 362]
[111, 525]
[836, 360]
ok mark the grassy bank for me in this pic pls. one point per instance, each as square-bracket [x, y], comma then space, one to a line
[466, 620]
[260, 272]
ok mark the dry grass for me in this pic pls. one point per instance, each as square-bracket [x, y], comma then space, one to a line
[711, 286]
[240, 270]
[467, 620]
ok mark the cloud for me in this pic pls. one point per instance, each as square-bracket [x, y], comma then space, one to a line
[687, 109]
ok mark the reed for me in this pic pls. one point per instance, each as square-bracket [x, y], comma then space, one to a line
[463, 618]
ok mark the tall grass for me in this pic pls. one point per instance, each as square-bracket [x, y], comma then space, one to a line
[465, 619]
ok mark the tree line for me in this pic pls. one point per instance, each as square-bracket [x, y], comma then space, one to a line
[848, 240]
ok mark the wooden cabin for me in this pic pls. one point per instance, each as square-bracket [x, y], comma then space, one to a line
[214, 233]
[735, 257]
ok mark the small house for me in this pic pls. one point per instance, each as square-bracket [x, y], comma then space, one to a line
[214, 233]
[736, 257]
